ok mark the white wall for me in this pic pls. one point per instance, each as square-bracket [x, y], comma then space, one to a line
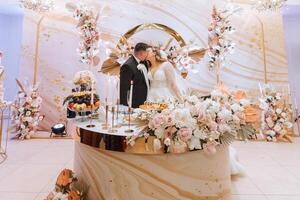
[291, 20]
[11, 21]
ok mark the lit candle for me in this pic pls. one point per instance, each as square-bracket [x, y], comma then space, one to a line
[130, 95]
[92, 93]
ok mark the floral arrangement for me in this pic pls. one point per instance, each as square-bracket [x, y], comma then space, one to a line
[196, 124]
[26, 115]
[219, 46]
[276, 116]
[87, 26]
[66, 187]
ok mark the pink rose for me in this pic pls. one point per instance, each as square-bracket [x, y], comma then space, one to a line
[213, 126]
[185, 134]
[201, 116]
[157, 121]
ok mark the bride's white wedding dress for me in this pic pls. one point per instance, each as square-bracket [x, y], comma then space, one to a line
[167, 85]
[164, 85]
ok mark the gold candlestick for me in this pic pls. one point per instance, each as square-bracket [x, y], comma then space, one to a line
[105, 125]
[91, 118]
[118, 110]
[129, 121]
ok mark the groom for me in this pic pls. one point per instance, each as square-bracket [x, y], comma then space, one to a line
[135, 69]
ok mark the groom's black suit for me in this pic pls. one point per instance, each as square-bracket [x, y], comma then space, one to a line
[130, 72]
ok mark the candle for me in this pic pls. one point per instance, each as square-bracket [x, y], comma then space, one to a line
[296, 106]
[130, 94]
[114, 90]
[92, 93]
[289, 89]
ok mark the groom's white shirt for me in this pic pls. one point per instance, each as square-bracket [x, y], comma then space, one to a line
[143, 68]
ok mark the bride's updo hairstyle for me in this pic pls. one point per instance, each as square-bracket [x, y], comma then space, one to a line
[158, 56]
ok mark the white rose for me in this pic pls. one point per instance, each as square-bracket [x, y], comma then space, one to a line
[215, 107]
[159, 132]
[277, 127]
[167, 141]
[225, 114]
[278, 110]
[288, 124]
[270, 122]
[245, 102]
[216, 94]
[194, 143]
[270, 133]
[283, 114]
[223, 128]
[236, 119]
[199, 134]
[263, 105]
[235, 107]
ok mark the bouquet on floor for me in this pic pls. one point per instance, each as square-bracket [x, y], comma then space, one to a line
[67, 187]
[276, 115]
[26, 115]
[196, 124]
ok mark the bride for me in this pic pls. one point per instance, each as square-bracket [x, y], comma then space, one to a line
[163, 78]
[167, 85]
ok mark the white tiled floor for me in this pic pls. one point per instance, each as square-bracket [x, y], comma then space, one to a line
[273, 169]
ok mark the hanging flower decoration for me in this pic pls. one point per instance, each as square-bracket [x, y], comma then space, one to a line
[89, 46]
[219, 46]
[276, 115]
[26, 115]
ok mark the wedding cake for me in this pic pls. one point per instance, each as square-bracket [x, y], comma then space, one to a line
[1, 80]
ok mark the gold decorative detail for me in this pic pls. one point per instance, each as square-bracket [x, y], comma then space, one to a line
[37, 44]
[151, 26]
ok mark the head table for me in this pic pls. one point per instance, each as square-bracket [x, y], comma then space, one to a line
[114, 171]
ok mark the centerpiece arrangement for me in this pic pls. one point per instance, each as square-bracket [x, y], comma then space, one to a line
[195, 124]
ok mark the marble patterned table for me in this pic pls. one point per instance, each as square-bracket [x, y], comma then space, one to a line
[125, 175]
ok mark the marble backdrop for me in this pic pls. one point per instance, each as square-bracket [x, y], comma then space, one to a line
[58, 41]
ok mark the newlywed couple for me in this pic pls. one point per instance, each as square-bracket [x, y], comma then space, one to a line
[154, 77]
[155, 80]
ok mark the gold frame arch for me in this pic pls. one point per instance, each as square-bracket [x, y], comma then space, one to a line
[151, 26]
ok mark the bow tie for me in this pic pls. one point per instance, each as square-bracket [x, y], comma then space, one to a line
[143, 62]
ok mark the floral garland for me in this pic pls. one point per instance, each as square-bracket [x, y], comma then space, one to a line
[195, 124]
[276, 115]
[66, 187]
[87, 26]
[26, 116]
[219, 46]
